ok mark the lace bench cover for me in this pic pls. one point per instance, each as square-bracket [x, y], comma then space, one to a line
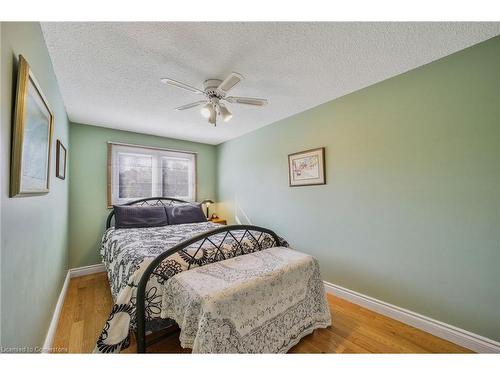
[263, 302]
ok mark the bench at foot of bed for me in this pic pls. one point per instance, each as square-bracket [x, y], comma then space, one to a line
[263, 302]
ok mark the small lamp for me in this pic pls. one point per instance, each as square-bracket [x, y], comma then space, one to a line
[207, 203]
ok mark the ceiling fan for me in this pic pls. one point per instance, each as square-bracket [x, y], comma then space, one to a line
[215, 93]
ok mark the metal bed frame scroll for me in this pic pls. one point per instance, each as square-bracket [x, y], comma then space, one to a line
[152, 202]
[254, 232]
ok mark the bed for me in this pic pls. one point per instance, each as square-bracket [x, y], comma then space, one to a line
[140, 262]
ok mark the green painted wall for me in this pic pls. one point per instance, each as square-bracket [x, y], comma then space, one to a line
[34, 230]
[88, 179]
[411, 210]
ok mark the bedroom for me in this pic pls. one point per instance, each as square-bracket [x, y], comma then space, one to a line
[345, 174]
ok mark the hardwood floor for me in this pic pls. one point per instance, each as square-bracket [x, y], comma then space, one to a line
[354, 330]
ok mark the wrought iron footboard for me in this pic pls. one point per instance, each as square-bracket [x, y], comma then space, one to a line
[251, 231]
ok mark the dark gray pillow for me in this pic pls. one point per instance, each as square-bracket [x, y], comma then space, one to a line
[140, 217]
[185, 214]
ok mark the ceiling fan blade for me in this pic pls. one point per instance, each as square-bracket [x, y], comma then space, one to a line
[191, 105]
[231, 80]
[181, 85]
[248, 101]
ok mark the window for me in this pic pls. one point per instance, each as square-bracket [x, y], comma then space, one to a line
[136, 172]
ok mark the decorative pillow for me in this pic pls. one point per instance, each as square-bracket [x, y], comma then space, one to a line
[185, 214]
[140, 217]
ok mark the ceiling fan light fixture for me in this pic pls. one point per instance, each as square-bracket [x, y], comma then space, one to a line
[207, 110]
[213, 116]
[215, 92]
[225, 113]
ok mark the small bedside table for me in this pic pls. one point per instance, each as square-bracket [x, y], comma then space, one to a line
[218, 221]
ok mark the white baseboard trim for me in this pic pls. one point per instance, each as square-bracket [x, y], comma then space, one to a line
[49, 338]
[445, 331]
[87, 270]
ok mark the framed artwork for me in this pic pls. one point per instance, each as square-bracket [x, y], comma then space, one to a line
[31, 136]
[307, 167]
[60, 160]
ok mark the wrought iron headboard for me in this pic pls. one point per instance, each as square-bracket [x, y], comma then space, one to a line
[154, 201]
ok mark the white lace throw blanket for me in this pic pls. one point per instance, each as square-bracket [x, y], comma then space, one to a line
[263, 302]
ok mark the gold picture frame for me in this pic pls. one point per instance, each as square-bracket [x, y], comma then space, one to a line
[32, 133]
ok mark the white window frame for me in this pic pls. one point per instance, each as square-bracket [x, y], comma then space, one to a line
[114, 149]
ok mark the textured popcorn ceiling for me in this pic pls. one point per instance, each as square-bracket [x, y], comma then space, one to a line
[109, 73]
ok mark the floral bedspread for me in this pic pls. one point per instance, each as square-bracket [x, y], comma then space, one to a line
[263, 302]
[126, 253]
